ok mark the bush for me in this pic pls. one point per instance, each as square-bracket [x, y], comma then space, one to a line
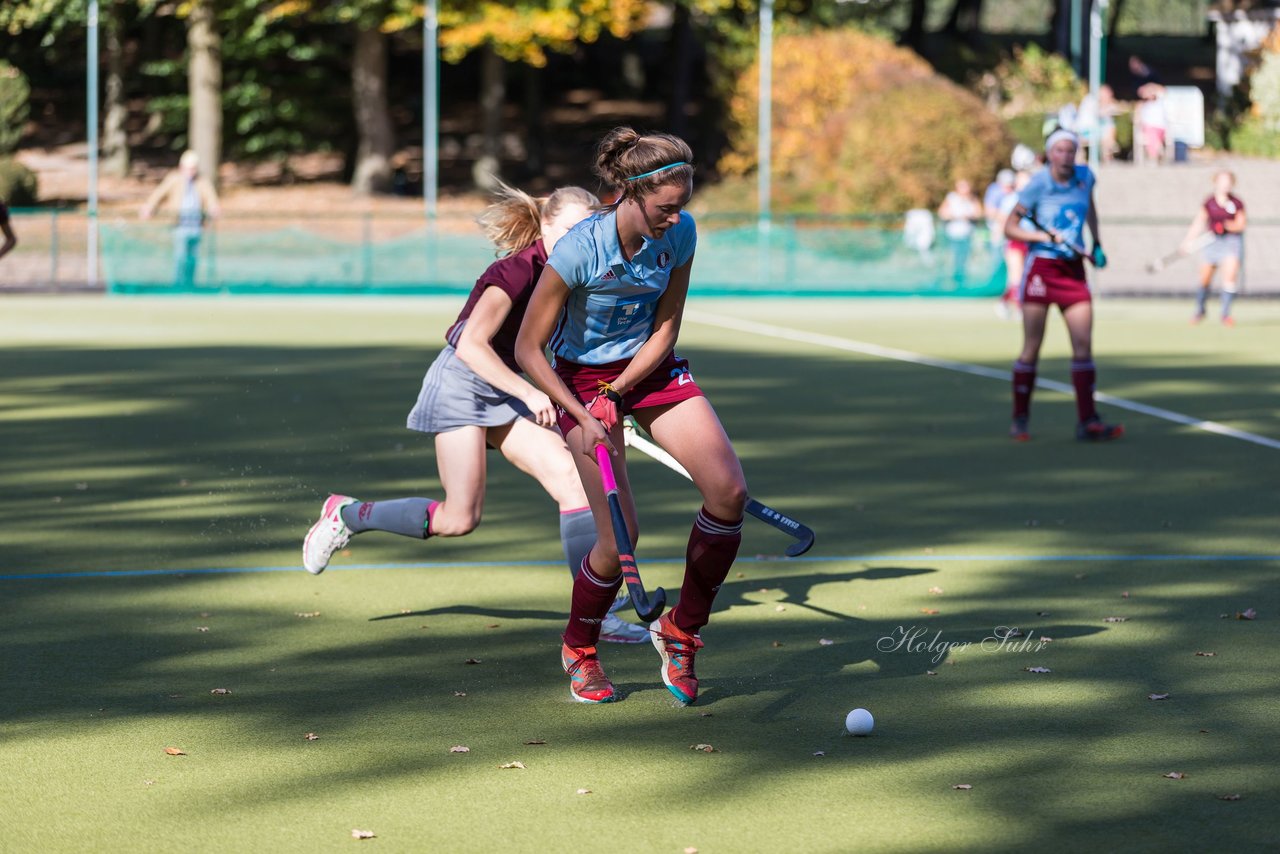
[1253, 138]
[1030, 81]
[14, 108]
[860, 126]
[1264, 91]
[17, 184]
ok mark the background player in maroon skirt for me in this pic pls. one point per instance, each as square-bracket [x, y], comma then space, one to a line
[1223, 214]
[1058, 203]
[474, 398]
[609, 303]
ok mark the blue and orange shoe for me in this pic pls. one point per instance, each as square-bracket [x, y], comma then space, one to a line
[1019, 431]
[587, 682]
[677, 649]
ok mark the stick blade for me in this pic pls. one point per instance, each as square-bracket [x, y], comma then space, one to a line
[803, 543]
[657, 604]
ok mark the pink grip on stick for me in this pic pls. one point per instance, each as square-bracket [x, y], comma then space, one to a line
[606, 469]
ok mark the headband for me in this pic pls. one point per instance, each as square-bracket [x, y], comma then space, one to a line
[656, 171]
[1059, 135]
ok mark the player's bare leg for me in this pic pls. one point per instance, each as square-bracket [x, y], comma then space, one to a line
[1230, 287]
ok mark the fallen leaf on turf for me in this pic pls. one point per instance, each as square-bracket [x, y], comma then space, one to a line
[1204, 730]
[819, 753]
[1044, 639]
[506, 765]
[148, 782]
[1124, 595]
[931, 673]
[1175, 775]
[459, 748]
[311, 736]
[705, 748]
[691, 850]
[584, 791]
[1157, 696]
[929, 611]
[306, 615]
[1114, 619]
[406, 610]
[936, 591]
[777, 644]
[963, 786]
[493, 625]
[1037, 670]
[202, 628]
[763, 590]
[742, 575]
[459, 693]
[345, 552]
[1014, 632]
[362, 834]
[1042, 613]
[780, 607]
[535, 741]
[175, 751]
[472, 661]
[1228, 797]
[825, 642]
[1206, 654]
[1247, 614]
[704, 714]
[220, 691]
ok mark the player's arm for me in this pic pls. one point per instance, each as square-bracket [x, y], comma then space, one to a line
[1198, 226]
[475, 348]
[1091, 220]
[1236, 224]
[157, 196]
[1014, 231]
[666, 329]
[545, 307]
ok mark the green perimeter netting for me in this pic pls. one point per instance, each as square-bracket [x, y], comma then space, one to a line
[790, 257]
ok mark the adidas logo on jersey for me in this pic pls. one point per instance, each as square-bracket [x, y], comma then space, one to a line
[608, 276]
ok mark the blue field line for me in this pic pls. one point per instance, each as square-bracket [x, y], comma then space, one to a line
[499, 564]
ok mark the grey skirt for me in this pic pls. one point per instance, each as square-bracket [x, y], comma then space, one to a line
[1224, 246]
[454, 396]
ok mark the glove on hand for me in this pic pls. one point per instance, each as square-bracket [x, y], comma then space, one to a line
[607, 405]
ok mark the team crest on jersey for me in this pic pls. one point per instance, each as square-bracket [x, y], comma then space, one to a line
[1035, 287]
[664, 258]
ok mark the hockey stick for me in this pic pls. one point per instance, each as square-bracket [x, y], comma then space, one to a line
[1074, 247]
[803, 534]
[1201, 241]
[648, 610]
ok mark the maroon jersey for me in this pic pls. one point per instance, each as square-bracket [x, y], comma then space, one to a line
[516, 275]
[1222, 213]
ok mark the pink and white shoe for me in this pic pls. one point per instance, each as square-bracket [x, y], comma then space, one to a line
[327, 535]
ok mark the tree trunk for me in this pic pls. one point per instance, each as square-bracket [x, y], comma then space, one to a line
[372, 172]
[204, 85]
[913, 36]
[487, 170]
[115, 142]
[1117, 9]
[965, 17]
[681, 60]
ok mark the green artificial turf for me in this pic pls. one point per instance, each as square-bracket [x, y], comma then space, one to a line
[178, 436]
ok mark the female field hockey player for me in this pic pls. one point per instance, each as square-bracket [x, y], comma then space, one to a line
[610, 302]
[1223, 214]
[1060, 198]
[473, 398]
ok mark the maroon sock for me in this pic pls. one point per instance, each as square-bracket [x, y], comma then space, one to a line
[713, 544]
[592, 596]
[1024, 382]
[1084, 375]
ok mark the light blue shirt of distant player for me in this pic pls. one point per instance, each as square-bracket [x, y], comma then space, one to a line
[1058, 207]
[612, 301]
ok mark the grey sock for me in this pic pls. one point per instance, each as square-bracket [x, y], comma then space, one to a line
[405, 516]
[1201, 299]
[1227, 298]
[577, 535]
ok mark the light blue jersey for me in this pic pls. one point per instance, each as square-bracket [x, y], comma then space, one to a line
[1058, 207]
[612, 301]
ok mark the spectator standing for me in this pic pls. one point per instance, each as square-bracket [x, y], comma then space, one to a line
[185, 193]
[959, 210]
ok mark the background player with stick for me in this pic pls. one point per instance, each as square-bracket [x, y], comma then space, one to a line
[473, 398]
[1222, 215]
[1058, 201]
[610, 303]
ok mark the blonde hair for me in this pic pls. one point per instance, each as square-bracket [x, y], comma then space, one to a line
[636, 164]
[513, 221]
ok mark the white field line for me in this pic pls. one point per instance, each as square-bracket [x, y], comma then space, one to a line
[866, 349]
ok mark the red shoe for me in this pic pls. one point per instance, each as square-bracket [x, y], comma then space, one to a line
[587, 682]
[1018, 430]
[1228, 321]
[1094, 430]
[677, 649]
